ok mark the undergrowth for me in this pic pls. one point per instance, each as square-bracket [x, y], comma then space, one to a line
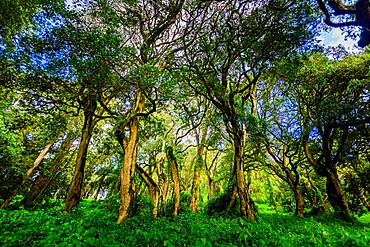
[92, 225]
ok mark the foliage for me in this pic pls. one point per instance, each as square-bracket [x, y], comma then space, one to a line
[142, 206]
[220, 203]
[185, 198]
[91, 225]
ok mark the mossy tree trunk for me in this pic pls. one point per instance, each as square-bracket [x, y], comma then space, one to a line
[211, 182]
[195, 189]
[336, 195]
[325, 167]
[127, 134]
[128, 169]
[198, 167]
[246, 207]
[176, 181]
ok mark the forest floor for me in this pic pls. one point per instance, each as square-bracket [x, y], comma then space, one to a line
[93, 225]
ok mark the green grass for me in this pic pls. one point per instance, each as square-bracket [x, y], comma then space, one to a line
[92, 225]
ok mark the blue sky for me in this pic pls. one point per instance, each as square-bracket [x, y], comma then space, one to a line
[335, 37]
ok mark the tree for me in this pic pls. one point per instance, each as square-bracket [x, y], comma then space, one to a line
[146, 27]
[226, 52]
[67, 70]
[351, 15]
[175, 177]
[16, 16]
[26, 140]
[281, 137]
[333, 100]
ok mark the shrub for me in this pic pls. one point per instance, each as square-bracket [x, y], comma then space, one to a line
[220, 203]
[142, 206]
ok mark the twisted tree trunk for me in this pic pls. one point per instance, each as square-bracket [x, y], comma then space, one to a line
[336, 195]
[246, 207]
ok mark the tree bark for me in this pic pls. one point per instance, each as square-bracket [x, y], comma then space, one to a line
[293, 182]
[336, 195]
[74, 194]
[36, 163]
[299, 201]
[196, 178]
[96, 193]
[175, 177]
[246, 207]
[129, 146]
[210, 187]
[211, 182]
[128, 169]
[163, 184]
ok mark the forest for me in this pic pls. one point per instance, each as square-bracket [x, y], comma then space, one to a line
[184, 123]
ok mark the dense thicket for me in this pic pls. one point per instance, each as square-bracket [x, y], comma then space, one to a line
[167, 107]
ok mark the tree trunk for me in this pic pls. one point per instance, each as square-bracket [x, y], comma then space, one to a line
[153, 189]
[163, 184]
[175, 177]
[336, 195]
[128, 168]
[96, 193]
[299, 201]
[74, 194]
[196, 179]
[165, 190]
[246, 207]
[293, 183]
[211, 182]
[43, 181]
[210, 187]
[36, 163]
[364, 199]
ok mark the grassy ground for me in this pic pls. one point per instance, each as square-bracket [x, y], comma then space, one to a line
[92, 225]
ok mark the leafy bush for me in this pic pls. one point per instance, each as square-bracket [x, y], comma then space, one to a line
[112, 202]
[142, 206]
[16, 202]
[219, 204]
